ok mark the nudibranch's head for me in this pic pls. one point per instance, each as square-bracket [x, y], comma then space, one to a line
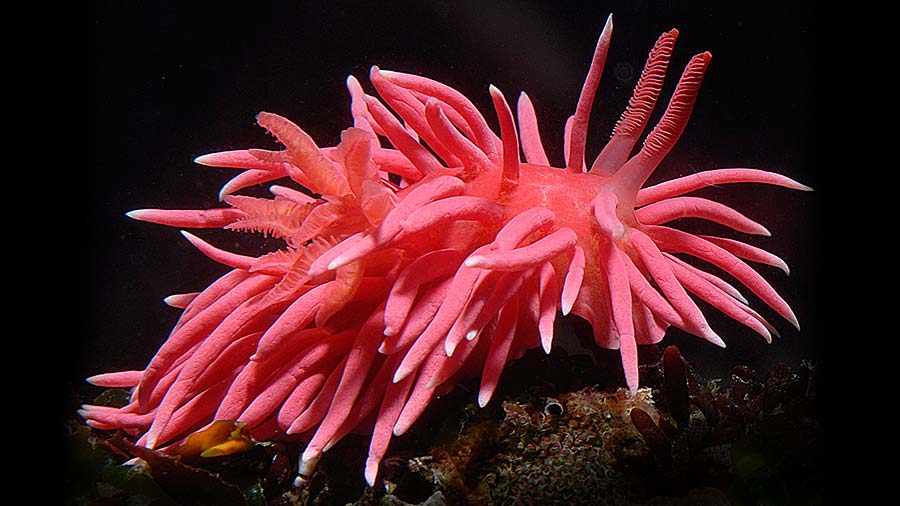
[422, 249]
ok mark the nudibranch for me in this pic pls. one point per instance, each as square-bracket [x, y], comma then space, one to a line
[422, 250]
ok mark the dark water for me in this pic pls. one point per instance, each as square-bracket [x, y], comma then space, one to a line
[171, 82]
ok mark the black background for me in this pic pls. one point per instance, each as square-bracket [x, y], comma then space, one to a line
[168, 81]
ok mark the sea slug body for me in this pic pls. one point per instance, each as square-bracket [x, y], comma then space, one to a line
[422, 250]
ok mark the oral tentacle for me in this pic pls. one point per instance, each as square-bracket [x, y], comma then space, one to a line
[692, 182]
[711, 278]
[675, 208]
[748, 252]
[661, 270]
[621, 309]
[678, 241]
[718, 299]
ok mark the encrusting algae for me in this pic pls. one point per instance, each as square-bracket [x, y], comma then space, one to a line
[567, 441]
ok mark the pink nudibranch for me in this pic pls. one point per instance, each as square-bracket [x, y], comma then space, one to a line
[422, 250]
